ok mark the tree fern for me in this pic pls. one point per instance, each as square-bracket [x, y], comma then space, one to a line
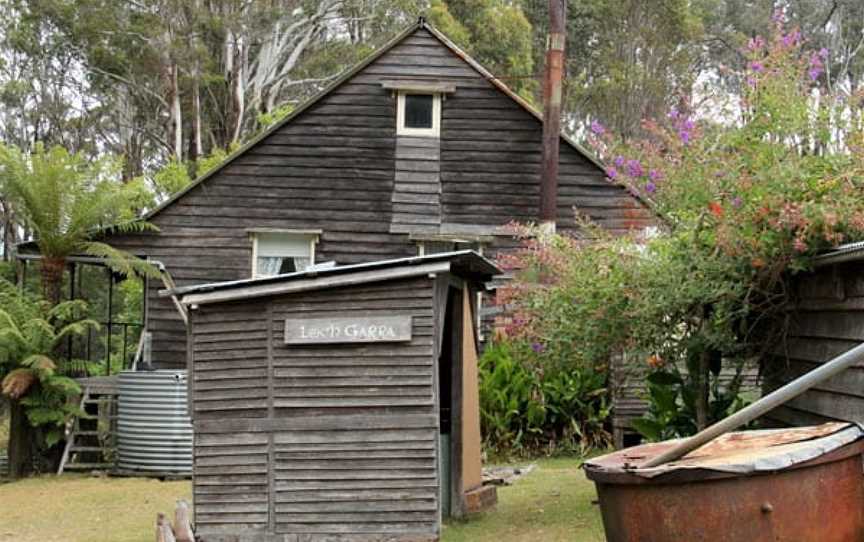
[68, 201]
[30, 333]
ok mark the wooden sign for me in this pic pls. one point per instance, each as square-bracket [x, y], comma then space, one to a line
[360, 329]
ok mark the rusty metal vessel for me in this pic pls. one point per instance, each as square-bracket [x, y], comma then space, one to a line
[788, 485]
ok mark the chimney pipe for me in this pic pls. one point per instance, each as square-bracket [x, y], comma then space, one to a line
[554, 73]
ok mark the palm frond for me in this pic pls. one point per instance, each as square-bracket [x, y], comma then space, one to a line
[40, 363]
[120, 261]
[66, 199]
[67, 310]
[18, 382]
[80, 327]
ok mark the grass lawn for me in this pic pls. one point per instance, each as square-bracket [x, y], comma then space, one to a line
[75, 508]
[551, 504]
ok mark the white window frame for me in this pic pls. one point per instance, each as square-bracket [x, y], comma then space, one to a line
[401, 129]
[311, 235]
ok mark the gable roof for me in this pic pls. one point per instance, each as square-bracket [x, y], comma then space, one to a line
[421, 24]
[465, 263]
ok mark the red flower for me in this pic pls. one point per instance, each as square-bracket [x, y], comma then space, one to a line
[655, 362]
[716, 209]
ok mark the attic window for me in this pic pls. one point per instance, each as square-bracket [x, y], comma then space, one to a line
[419, 114]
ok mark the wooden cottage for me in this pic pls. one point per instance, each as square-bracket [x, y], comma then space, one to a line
[416, 150]
[337, 404]
[828, 319]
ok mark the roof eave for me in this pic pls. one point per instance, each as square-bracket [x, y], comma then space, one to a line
[465, 263]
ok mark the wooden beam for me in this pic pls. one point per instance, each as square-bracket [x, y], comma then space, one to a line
[419, 86]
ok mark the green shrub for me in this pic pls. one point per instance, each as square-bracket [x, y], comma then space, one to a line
[526, 408]
[31, 332]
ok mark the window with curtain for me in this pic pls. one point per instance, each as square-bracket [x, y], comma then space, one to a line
[281, 253]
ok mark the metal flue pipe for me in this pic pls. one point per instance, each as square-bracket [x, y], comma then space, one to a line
[760, 407]
[552, 83]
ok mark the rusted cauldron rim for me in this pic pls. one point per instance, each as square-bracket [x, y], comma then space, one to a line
[691, 475]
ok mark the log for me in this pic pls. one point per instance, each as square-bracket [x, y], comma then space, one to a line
[182, 525]
[163, 529]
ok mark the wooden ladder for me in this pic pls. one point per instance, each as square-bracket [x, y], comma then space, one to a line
[83, 439]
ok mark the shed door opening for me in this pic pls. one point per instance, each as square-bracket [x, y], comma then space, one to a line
[451, 398]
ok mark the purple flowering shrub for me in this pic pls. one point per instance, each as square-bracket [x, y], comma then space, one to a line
[744, 205]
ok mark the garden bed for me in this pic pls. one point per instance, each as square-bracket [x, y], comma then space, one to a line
[552, 503]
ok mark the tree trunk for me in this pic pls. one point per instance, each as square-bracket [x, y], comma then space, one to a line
[52, 278]
[197, 149]
[702, 390]
[20, 442]
[176, 114]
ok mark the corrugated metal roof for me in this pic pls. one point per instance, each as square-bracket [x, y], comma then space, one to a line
[843, 253]
[463, 262]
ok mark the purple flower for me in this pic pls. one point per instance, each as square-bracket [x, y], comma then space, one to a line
[537, 348]
[684, 135]
[611, 172]
[778, 16]
[751, 81]
[634, 168]
[823, 53]
[619, 161]
[757, 66]
[791, 38]
[650, 187]
[737, 202]
[815, 60]
[756, 43]
[816, 66]
[655, 175]
[597, 128]
[689, 125]
[673, 113]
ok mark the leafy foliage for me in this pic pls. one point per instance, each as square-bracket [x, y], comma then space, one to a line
[495, 31]
[745, 206]
[527, 409]
[31, 333]
[175, 175]
[66, 198]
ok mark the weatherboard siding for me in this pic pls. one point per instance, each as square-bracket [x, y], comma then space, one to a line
[828, 320]
[334, 168]
[315, 440]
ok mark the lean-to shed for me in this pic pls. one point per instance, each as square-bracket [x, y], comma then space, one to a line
[337, 404]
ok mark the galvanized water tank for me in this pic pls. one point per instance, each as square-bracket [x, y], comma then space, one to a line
[154, 432]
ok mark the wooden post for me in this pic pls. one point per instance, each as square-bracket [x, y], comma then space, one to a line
[554, 73]
[182, 525]
[163, 529]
